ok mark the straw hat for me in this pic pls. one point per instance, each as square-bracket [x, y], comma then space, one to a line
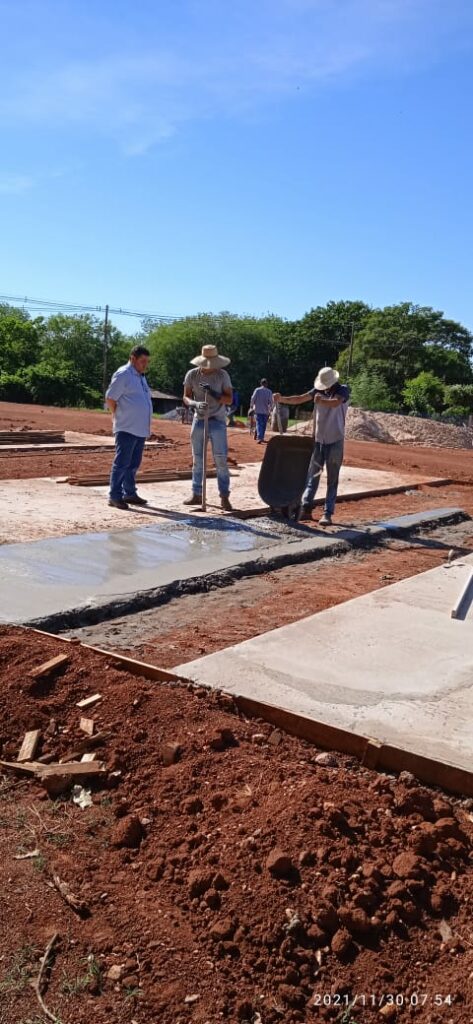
[326, 378]
[210, 359]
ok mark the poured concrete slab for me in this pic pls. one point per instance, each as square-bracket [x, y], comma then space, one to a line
[391, 665]
[33, 509]
[56, 575]
[61, 583]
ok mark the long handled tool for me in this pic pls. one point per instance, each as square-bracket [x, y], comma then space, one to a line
[204, 457]
[278, 417]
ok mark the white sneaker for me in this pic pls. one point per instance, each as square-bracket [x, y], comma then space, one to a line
[326, 520]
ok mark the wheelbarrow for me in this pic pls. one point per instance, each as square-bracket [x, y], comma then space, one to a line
[283, 473]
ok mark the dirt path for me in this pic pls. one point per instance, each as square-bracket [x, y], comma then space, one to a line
[441, 462]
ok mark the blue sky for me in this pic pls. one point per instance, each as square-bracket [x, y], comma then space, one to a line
[255, 155]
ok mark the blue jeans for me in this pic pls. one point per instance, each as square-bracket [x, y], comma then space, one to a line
[261, 422]
[218, 440]
[330, 456]
[128, 455]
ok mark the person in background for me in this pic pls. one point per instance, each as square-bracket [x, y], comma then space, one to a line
[330, 410]
[262, 403]
[208, 390]
[129, 399]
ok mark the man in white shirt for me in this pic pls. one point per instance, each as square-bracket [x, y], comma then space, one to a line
[129, 399]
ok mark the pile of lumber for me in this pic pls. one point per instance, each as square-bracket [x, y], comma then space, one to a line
[32, 437]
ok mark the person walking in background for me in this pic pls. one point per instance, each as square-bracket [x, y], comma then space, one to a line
[208, 390]
[262, 403]
[330, 410]
[129, 399]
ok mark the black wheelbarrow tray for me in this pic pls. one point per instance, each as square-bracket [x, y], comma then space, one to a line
[283, 472]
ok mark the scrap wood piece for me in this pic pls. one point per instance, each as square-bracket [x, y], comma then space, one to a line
[28, 768]
[76, 904]
[57, 778]
[26, 856]
[30, 745]
[37, 985]
[88, 702]
[97, 740]
[49, 666]
[88, 758]
[87, 725]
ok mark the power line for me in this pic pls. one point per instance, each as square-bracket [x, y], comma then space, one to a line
[50, 305]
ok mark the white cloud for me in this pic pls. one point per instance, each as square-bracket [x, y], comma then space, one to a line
[225, 61]
[14, 184]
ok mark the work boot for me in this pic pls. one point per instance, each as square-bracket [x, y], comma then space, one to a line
[134, 499]
[305, 513]
[225, 503]
[326, 519]
[195, 499]
[118, 504]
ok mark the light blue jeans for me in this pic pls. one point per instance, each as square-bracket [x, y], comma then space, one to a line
[331, 456]
[218, 440]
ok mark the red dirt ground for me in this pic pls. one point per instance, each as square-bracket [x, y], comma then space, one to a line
[441, 462]
[372, 899]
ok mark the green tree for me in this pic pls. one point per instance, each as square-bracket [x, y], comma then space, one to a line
[20, 342]
[398, 342]
[254, 346]
[424, 393]
[459, 401]
[369, 391]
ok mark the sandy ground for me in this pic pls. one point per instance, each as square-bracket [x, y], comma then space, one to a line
[37, 508]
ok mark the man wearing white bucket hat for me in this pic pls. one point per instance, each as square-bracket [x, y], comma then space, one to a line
[330, 410]
[208, 390]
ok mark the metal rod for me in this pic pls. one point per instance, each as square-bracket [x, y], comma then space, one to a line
[105, 351]
[204, 459]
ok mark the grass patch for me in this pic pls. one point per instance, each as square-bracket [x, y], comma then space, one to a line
[22, 968]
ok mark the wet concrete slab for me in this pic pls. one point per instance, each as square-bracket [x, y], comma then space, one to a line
[47, 576]
[60, 583]
[391, 665]
[37, 508]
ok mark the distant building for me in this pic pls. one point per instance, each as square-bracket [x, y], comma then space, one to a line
[164, 403]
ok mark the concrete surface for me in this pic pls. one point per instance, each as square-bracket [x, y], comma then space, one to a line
[391, 665]
[60, 583]
[39, 508]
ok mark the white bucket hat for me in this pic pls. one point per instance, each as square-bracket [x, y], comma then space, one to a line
[326, 378]
[210, 359]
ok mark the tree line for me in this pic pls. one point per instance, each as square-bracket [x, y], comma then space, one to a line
[399, 358]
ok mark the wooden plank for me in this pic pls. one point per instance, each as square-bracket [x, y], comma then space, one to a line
[372, 753]
[48, 667]
[26, 768]
[88, 702]
[87, 725]
[391, 759]
[73, 769]
[29, 746]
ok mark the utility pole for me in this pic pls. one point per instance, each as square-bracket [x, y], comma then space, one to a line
[350, 353]
[105, 351]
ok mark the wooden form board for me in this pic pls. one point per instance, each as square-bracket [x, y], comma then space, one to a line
[372, 753]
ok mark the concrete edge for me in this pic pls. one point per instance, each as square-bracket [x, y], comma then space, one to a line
[310, 550]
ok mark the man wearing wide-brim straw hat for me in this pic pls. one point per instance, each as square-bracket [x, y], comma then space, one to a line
[208, 390]
[330, 410]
